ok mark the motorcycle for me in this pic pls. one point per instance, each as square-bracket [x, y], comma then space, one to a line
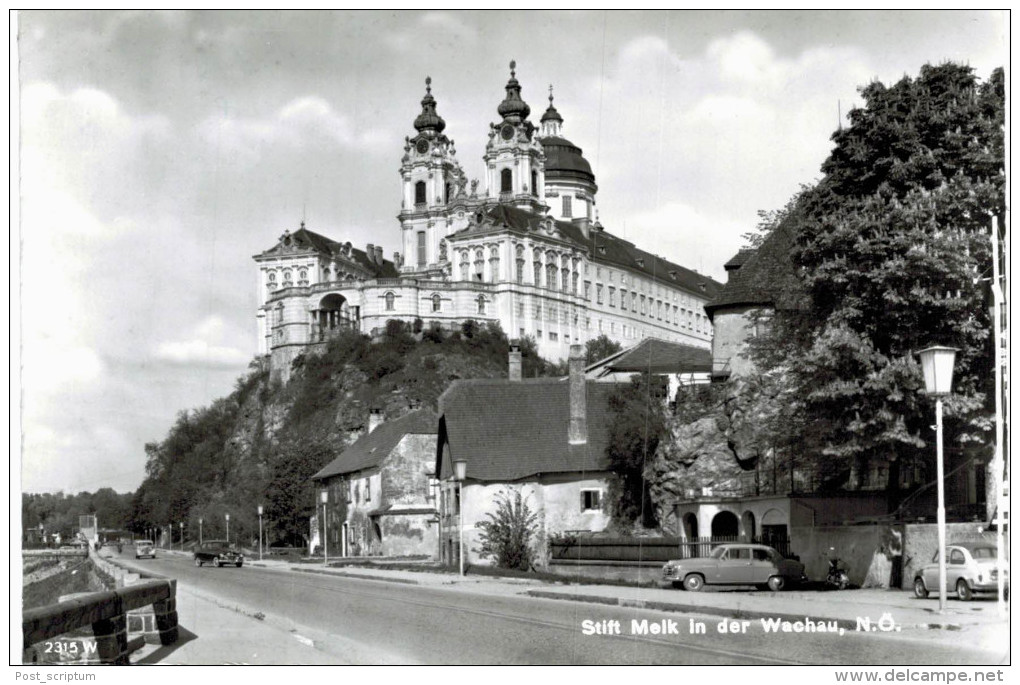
[838, 577]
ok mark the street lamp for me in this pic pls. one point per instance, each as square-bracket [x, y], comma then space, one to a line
[199, 531]
[937, 365]
[460, 472]
[180, 527]
[324, 496]
[260, 532]
[228, 529]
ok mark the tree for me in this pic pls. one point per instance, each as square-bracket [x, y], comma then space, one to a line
[890, 254]
[507, 535]
[637, 424]
[599, 348]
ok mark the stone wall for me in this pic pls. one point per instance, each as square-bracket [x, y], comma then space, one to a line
[871, 555]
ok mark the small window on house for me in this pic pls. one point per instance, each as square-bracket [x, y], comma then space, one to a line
[506, 181]
[390, 298]
[566, 206]
[591, 500]
[419, 193]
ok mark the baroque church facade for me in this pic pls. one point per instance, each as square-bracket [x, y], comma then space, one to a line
[525, 250]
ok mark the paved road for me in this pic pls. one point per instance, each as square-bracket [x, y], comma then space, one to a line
[364, 621]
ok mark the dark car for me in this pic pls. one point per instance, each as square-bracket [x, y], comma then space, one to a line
[735, 564]
[218, 552]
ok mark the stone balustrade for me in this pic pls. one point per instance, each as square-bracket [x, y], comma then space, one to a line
[142, 605]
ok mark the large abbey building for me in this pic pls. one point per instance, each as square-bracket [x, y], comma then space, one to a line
[526, 249]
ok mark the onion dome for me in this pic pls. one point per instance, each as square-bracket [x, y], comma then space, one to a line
[428, 120]
[513, 108]
[551, 114]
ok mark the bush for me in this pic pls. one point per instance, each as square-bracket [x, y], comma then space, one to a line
[506, 536]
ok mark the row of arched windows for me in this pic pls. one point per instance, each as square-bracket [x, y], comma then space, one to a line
[288, 279]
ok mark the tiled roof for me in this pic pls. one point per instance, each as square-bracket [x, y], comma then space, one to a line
[766, 277]
[509, 430]
[604, 247]
[369, 450]
[657, 356]
[309, 240]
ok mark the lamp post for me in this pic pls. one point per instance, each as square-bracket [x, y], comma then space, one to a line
[180, 527]
[937, 365]
[199, 531]
[228, 529]
[324, 496]
[260, 532]
[460, 472]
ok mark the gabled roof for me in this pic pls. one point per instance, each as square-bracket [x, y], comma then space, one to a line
[766, 276]
[604, 248]
[369, 450]
[509, 430]
[305, 240]
[654, 355]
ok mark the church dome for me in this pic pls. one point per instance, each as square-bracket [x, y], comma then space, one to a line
[429, 120]
[563, 160]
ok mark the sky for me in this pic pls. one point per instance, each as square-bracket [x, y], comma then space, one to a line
[160, 151]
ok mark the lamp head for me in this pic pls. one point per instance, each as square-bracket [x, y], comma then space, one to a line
[937, 364]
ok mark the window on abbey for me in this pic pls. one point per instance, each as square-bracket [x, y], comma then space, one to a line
[481, 304]
[566, 206]
[389, 301]
[534, 183]
[506, 181]
[421, 248]
[437, 303]
[419, 193]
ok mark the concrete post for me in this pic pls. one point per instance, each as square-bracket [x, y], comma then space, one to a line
[577, 431]
[515, 370]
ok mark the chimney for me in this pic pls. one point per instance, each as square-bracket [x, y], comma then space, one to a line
[375, 417]
[370, 252]
[577, 432]
[379, 255]
[397, 261]
[515, 363]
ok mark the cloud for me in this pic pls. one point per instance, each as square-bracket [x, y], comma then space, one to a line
[307, 122]
[434, 29]
[205, 348]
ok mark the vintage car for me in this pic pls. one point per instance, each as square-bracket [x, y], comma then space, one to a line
[970, 570]
[735, 564]
[218, 553]
[144, 548]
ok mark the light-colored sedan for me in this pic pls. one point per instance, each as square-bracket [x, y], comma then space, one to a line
[970, 570]
[735, 564]
[144, 548]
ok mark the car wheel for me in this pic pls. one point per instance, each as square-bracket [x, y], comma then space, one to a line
[694, 583]
[777, 583]
[963, 590]
[920, 591]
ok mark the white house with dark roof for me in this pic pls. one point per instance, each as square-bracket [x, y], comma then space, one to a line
[545, 437]
[382, 498]
[525, 250]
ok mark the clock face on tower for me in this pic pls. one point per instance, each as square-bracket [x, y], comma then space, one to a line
[507, 132]
[423, 146]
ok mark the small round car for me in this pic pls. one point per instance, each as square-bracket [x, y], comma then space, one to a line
[971, 570]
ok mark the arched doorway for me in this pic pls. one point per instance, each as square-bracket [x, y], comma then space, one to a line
[333, 314]
[690, 526]
[747, 522]
[725, 525]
